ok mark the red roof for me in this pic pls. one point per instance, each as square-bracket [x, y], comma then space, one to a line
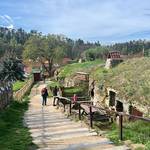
[114, 55]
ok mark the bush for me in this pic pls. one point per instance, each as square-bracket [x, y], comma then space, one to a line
[137, 132]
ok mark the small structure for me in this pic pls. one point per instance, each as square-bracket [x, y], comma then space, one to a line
[83, 76]
[113, 58]
[36, 74]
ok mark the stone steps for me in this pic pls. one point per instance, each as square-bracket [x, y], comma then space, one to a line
[52, 130]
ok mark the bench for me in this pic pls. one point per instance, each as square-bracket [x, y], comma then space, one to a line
[97, 114]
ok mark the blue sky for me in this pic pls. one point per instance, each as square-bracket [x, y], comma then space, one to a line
[105, 20]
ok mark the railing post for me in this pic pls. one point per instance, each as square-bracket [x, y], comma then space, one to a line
[70, 108]
[79, 112]
[64, 108]
[121, 127]
[91, 117]
[58, 102]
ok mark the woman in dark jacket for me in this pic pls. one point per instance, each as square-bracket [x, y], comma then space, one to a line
[44, 94]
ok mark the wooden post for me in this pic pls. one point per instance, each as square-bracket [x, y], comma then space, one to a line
[70, 108]
[64, 108]
[79, 112]
[91, 117]
[120, 127]
[58, 102]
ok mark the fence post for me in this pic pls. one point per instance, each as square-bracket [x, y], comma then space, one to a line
[57, 102]
[79, 112]
[64, 108]
[121, 127]
[70, 108]
[91, 117]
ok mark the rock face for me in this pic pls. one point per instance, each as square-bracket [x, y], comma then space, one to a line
[80, 78]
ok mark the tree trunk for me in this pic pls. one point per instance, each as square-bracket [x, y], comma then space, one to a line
[50, 65]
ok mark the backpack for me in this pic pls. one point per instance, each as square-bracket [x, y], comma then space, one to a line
[43, 91]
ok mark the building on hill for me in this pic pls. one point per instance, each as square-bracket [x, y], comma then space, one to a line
[113, 58]
[37, 74]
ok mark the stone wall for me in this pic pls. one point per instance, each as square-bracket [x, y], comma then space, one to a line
[101, 98]
[76, 80]
[20, 93]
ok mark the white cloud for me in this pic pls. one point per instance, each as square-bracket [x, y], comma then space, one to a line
[6, 21]
[97, 19]
[104, 20]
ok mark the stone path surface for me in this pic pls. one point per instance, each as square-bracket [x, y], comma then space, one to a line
[52, 130]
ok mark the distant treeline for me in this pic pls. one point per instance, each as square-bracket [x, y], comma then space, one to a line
[14, 41]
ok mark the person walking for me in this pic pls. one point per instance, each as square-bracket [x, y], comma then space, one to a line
[44, 94]
[74, 98]
[55, 92]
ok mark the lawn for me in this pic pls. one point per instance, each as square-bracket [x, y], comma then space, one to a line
[13, 135]
[18, 85]
[137, 132]
[71, 69]
[68, 91]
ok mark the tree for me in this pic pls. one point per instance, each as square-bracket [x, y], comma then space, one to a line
[49, 48]
[11, 69]
[96, 53]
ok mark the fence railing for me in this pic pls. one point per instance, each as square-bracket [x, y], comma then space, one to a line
[20, 93]
[6, 94]
[90, 109]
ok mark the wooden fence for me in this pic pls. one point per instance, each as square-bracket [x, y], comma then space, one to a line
[6, 93]
[20, 93]
[90, 109]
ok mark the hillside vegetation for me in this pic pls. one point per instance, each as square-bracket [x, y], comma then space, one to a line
[131, 78]
[71, 69]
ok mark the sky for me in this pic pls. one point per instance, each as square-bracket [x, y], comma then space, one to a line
[106, 21]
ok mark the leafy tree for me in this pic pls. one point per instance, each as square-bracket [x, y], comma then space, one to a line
[96, 53]
[49, 48]
[11, 69]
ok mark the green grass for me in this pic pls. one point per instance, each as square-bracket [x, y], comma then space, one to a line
[18, 85]
[52, 84]
[70, 91]
[13, 135]
[71, 69]
[137, 132]
[130, 78]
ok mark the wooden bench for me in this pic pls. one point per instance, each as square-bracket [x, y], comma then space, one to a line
[97, 114]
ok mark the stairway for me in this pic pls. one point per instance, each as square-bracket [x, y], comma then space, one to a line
[52, 130]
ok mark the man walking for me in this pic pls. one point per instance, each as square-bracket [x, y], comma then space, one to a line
[44, 94]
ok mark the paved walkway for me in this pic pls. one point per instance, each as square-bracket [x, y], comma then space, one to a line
[52, 130]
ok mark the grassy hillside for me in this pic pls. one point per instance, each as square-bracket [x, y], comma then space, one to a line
[131, 78]
[71, 69]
